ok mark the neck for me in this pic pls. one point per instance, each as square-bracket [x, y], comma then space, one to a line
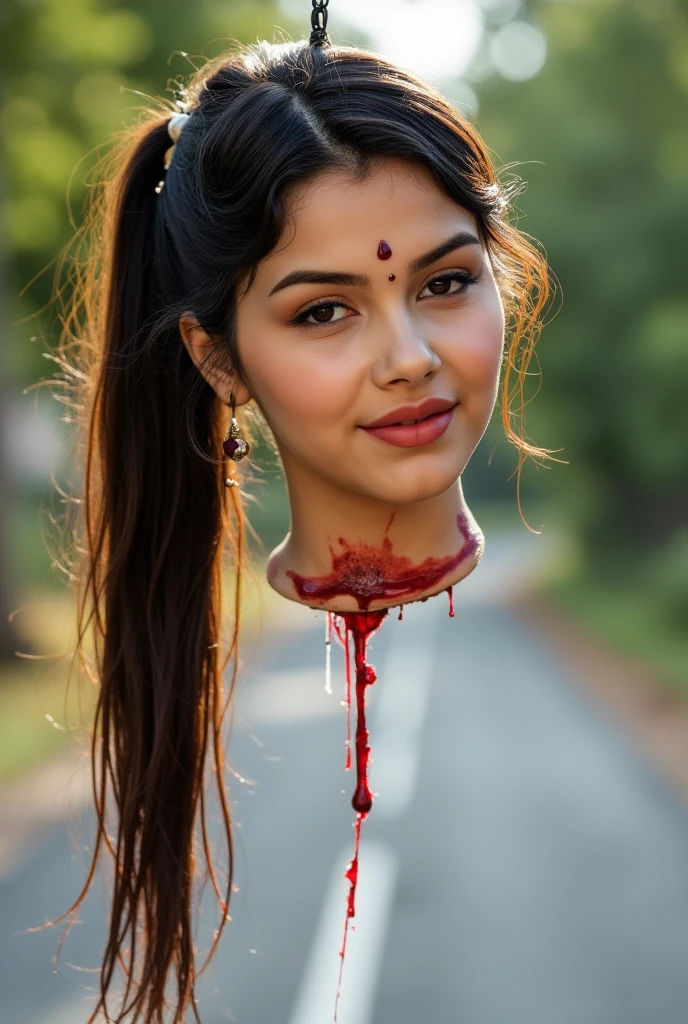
[350, 552]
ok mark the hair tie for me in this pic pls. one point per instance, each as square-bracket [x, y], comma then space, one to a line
[319, 36]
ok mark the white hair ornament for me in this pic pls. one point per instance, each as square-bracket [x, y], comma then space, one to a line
[174, 129]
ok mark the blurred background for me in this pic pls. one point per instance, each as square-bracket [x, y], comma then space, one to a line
[586, 101]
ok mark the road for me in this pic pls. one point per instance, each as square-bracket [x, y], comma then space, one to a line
[522, 864]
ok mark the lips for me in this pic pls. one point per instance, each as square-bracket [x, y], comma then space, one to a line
[411, 425]
[411, 413]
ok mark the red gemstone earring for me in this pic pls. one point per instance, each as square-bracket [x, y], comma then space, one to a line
[235, 446]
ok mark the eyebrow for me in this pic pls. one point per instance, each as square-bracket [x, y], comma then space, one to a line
[456, 241]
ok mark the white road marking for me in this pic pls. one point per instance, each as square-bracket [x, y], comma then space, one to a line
[377, 879]
[397, 732]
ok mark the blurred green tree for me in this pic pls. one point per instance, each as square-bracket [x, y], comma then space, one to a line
[603, 137]
[76, 71]
[73, 72]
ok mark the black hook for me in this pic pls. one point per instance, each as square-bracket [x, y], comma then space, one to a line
[319, 36]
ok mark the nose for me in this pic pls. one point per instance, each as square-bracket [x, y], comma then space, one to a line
[405, 357]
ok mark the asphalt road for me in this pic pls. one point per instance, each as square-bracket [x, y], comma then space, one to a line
[521, 865]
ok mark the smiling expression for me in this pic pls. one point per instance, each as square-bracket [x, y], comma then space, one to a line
[338, 347]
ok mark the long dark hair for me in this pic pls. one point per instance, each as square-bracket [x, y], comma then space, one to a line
[155, 519]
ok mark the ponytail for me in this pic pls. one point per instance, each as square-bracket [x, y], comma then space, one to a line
[153, 521]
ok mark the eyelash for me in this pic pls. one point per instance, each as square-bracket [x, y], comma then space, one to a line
[456, 275]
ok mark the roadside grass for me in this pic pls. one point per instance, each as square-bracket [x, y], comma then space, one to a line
[634, 610]
[627, 619]
[39, 711]
[37, 717]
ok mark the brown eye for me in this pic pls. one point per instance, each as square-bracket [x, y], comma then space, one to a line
[322, 314]
[439, 286]
[443, 285]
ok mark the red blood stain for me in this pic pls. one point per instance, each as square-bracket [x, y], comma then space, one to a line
[450, 591]
[392, 277]
[384, 251]
[361, 627]
[369, 573]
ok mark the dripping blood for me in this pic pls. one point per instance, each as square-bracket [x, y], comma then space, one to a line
[360, 626]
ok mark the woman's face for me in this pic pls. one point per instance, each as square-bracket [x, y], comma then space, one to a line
[333, 338]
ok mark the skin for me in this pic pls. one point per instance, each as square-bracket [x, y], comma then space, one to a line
[373, 346]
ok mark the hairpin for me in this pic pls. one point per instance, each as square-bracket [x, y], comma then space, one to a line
[174, 130]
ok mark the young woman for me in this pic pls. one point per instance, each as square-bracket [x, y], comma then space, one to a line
[320, 236]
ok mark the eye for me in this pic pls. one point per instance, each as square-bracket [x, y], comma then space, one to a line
[440, 285]
[320, 313]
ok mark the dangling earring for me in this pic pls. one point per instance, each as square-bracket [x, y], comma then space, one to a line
[234, 445]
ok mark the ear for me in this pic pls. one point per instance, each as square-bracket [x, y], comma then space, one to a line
[198, 344]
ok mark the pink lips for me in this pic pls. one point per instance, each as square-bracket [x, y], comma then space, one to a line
[432, 417]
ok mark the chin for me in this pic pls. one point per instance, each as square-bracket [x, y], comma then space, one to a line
[410, 487]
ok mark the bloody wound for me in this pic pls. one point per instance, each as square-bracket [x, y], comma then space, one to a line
[369, 573]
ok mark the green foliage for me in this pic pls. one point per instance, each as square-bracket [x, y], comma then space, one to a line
[667, 579]
[75, 71]
[603, 139]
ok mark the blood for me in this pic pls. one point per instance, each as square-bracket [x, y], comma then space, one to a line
[392, 277]
[360, 626]
[369, 573]
[450, 592]
[384, 251]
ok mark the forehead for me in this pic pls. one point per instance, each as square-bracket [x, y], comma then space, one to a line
[337, 218]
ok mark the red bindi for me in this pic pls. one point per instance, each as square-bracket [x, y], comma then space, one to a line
[384, 251]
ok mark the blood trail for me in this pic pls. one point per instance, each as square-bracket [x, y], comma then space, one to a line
[358, 626]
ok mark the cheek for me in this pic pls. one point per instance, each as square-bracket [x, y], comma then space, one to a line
[477, 356]
[301, 387]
